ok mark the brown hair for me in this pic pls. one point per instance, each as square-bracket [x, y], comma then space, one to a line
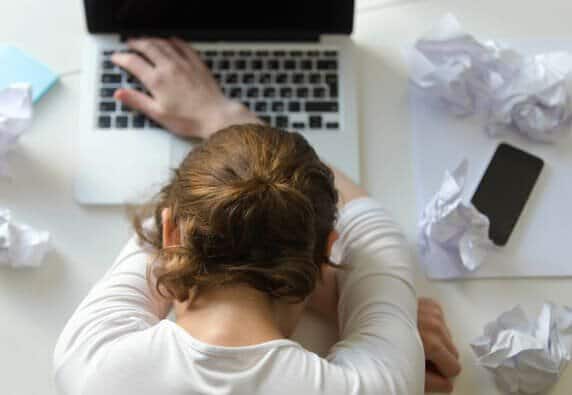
[253, 205]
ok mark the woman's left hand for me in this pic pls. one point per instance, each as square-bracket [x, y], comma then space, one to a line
[442, 357]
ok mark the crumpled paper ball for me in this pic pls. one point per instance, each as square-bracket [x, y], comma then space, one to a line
[526, 356]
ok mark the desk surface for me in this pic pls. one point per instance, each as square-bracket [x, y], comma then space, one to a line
[35, 304]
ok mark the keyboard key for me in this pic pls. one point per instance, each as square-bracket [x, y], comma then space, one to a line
[240, 65]
[298, 78]
[321, 106]
[245, 53]
[289, 65]
[281, 78]
[260, 106]
[330, 53]
[235, 92]
[231, 78]
[104, 122]
[210, 54]
[279, 53]
[261, 53]
[121, 122]
[295, 53]
[108, 53]
[302, 92]
[223, 64]
[227, 53]
[107, 106]
[333, 90]
[106, 92]
[125, 108]
[209, 64]
[312, 53]
[111, 78]
[331, 78]
[282, 121]
[272, 64]
[252, 92]
[107, 65]
[269, 92]
[315, 122]
[306, 65]
[315, 78]
[264, 78]
[266, 118]
[332, 125]
[248, 78]
[217, 76]
[298, 125]
[139, 121]
[278, 106]
[286, 93]
[327, 64]
[294, 106]
[247, 104]
[256, 64]
[319, 92]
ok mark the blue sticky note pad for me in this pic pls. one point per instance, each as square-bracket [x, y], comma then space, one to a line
[17, 66]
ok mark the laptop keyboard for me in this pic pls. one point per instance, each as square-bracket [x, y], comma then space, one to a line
[289, 89]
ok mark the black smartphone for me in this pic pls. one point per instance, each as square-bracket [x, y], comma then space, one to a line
[505, 188]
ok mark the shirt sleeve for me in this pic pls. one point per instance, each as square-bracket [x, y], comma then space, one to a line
[120, 303]
[377, 307]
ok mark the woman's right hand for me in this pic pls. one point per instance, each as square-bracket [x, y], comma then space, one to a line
[442, 357]
[184, 97]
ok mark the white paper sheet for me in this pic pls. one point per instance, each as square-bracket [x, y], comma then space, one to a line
[511, 91]
[21, 245]
[452, 232]
[15, 117]
[526, 356]
[440, 141]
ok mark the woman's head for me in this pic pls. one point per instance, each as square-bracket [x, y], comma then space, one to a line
[253, 205]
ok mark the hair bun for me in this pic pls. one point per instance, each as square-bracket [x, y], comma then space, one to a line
[254, 205]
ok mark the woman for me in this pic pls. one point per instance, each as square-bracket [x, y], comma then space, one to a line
[239, 245]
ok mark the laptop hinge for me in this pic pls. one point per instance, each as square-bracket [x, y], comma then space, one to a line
[228, 36]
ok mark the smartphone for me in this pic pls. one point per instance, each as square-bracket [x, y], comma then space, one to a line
[505, 189]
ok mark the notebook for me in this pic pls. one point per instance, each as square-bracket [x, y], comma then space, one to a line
[18, 66]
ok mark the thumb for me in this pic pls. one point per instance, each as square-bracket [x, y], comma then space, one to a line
[138, 101]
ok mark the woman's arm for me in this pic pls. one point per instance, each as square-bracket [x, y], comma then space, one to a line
[120, 303]
[377, 309]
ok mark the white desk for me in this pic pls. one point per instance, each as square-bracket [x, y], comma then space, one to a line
[34, 305]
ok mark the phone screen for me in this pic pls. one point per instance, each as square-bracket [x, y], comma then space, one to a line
[505, 188]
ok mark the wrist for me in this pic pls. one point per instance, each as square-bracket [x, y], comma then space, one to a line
[229, 112]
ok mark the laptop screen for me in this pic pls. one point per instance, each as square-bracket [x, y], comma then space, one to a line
[222, 20]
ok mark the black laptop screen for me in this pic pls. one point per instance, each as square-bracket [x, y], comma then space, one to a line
[221, 19]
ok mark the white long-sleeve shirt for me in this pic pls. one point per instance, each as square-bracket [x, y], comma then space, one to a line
[119, 342]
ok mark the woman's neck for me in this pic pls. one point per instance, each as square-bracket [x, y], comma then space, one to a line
[230, 316]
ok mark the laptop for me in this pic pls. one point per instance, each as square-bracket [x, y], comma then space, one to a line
[289, 61]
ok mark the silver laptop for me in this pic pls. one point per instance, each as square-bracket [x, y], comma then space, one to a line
[289, 61]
